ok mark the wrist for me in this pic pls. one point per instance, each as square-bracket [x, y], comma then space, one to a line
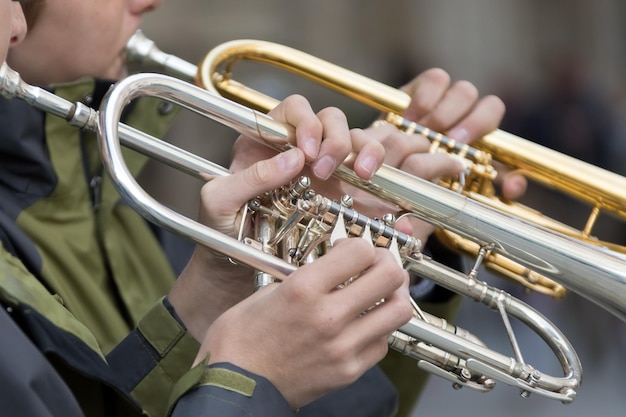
[206, 288]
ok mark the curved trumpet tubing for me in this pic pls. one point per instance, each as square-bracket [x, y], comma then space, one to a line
[602, 190]
[439, 348]
[480, 362]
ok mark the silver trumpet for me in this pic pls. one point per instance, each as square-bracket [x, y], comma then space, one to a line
[309, 222]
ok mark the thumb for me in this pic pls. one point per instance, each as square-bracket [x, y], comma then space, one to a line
[271, 173]
[234, 190]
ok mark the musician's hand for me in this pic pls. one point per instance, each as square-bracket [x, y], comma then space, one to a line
[211, 282]
[456, 109]
[453, 108]
[308, 337]
[325, 139]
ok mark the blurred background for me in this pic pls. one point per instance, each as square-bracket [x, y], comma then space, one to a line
[559, 67]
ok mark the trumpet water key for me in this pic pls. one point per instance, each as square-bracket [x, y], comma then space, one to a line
[294, 225]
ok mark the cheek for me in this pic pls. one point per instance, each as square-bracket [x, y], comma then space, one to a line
[4, 46]
[5, 31]
[92, 57]
[62, 49]
[101, 56]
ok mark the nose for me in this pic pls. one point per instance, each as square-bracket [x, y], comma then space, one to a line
[143, 6]
[18, 24]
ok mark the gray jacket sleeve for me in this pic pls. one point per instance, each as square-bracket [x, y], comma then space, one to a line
[226, 390]
[30, 386]
[156, 352]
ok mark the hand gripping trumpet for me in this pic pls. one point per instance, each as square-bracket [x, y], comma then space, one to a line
[298, 212]
[601, 189]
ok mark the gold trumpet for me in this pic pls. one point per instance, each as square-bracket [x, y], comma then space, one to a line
[309, 222]
[601, 189]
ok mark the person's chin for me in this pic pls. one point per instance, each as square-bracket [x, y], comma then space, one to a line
[117, 70]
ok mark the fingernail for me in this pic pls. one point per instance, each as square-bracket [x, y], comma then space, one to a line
[459, 134]
[289, 159]
[310, 147]
[369, 165]
[324, 167]
[460, 162]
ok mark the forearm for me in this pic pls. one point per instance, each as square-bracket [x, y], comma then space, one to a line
[209, 285]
